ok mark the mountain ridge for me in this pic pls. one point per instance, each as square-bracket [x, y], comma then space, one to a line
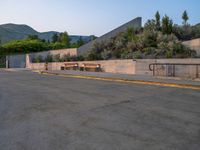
[11, 31]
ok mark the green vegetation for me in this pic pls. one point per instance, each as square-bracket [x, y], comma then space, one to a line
[34, 44]
[185, 18]
[160, 38]
[25, 46]
[57, 58]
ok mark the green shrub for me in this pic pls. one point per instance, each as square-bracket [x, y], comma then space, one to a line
[93, 56]
[25, 46]
[137, 55]
[38, 59]
[149, 50]
[80, 58]
[56, 58]
[57, 45]
[169, 54]
[66, 58]
[49, 58]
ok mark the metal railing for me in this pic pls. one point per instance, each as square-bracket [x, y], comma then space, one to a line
[172, 67]
[2, 61]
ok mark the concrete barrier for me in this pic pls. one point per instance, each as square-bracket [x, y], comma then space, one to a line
[111, 66]
[129, 66]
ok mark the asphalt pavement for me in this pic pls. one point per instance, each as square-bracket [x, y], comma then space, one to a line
[42, 112]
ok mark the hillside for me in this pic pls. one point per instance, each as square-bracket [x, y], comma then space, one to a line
[10, 32]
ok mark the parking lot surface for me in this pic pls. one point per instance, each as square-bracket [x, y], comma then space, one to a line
[41, 112]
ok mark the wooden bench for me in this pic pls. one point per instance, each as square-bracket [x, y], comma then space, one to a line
[70, 66]
[90, 67]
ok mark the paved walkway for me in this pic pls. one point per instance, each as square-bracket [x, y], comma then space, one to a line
[145, 78]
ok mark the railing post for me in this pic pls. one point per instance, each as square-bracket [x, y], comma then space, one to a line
[46, 66]
[197, 71]
[174, 70]
[167, 70]
[7, 62]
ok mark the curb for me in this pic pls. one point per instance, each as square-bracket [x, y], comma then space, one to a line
[174, 85]
[8, 70]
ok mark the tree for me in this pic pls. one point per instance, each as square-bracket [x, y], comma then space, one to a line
[32, 37]
[55, 38]
[25, 46]
[57, 45]
[167, 25]
[185, 18]
[157, 17]
[150, 25]
[43, 40]
[64, 39]
[80, 42]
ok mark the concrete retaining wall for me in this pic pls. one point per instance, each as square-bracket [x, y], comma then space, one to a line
[62, 52]
[129, 66]
[37, 66]
[111, 66]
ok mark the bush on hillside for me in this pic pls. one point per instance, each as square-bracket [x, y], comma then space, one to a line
[25, 46]
[150, 43]
[37, 59]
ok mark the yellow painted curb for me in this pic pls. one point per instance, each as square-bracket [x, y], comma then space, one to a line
[36, 71]
[174, 85]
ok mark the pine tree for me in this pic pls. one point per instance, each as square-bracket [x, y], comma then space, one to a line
[167, 25]
[185, 18]
[157, 17]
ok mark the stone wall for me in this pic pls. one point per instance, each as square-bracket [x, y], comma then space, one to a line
[194, 44]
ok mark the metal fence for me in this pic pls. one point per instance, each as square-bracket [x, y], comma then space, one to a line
[175, 70]
[2, 61]
[16, 61]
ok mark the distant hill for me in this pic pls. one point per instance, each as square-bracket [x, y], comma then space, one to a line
[198, 25]
[9, 32]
